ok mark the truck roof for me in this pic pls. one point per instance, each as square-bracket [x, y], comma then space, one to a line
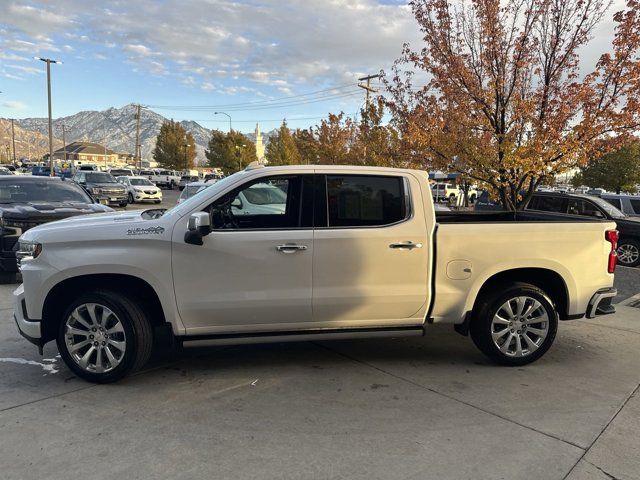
[364, 168]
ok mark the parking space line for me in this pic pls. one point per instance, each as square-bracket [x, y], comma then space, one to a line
[450, 397]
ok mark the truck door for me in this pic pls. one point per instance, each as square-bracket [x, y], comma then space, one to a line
[254, 270]
[371, 251]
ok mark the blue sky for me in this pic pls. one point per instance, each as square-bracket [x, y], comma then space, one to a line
[214, 53]
[198, 53]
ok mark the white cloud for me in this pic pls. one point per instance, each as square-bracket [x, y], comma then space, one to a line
[296, 43]
[14, 105]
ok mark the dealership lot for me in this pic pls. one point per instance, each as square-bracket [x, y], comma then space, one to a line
[398, 408]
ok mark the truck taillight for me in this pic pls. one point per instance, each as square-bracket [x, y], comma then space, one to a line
[612, 237]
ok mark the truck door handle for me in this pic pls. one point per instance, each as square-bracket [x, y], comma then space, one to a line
[405, 245]
[290, 248]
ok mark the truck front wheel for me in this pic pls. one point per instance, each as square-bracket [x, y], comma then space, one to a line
[104, 336]
[514, 326]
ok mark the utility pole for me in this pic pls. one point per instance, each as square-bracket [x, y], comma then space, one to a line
[49, 61]
[138, 153]
[13, 141]
[368, 89]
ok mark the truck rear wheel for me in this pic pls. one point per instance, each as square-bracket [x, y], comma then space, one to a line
[104, 336]
[514, 326]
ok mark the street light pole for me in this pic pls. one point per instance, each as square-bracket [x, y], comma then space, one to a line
[49, 61]
[222, 113]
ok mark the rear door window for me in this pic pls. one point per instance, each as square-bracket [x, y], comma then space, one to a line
[365, 200]
[546, 203]
[635, 205]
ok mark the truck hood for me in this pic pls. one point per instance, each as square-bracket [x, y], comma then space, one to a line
[47, 211]
[101, 226]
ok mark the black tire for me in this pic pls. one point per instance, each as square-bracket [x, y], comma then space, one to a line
[130, 198]
[123, 204]
[481, 327]
[472, 199]
[628, 252]
[180, 187]
[137, 331]
[157, 202]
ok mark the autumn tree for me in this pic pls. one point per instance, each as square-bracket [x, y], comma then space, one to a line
[376, 143]
[282, 148]
[503, 100]
[616, 171]
[335, 136]
[230, 151]
[175, 147]
[307, 145]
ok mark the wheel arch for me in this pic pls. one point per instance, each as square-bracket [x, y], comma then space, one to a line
[548, 280]
[65, 291]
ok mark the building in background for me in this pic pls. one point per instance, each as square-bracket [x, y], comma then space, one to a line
[259, 145]
[83, 153]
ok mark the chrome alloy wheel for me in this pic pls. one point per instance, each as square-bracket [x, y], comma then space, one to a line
[628, 253]
[520, 326]
[95, 338]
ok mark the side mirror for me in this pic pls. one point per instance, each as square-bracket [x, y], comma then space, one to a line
[198, 227]
[237, 203]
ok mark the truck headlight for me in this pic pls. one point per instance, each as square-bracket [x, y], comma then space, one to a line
[28, 251]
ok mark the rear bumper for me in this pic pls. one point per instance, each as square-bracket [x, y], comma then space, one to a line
[600, 303]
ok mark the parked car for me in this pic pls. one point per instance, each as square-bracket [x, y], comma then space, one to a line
[46, 172]
[166, 178]
[451, 193]
[103, 187]
[5, 171]
[627, 204]
[28, 201]
[186, 179]
[191, 189]
[594, 207]
[213, 176]
[141, 189]
[121, 172]
[353, 254]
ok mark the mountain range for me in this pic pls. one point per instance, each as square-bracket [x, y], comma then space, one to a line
[115, 127]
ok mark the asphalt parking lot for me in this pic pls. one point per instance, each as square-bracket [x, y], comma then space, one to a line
[414, 408]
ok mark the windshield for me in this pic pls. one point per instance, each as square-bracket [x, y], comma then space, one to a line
[607, 207]
[44, 191]
[96, 177]
[140, 181]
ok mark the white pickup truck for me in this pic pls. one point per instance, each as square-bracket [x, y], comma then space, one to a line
[335, 252]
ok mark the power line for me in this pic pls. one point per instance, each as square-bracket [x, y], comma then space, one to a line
[311, 96]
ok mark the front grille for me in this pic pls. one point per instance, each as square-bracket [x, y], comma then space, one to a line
[149, 192]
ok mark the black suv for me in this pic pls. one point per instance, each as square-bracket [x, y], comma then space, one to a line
[27, 201]
[588, 205]
[103, 187]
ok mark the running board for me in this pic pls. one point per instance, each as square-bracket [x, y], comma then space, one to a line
[300, 336]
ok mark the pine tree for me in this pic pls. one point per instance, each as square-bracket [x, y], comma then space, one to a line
[230, 151]
[175, 148]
